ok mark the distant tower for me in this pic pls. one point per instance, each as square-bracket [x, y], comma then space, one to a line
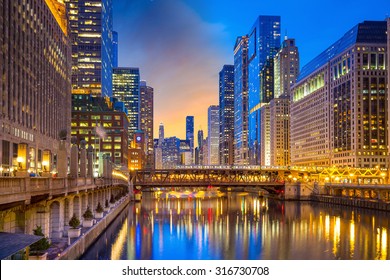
[226, 115]
[126, 88]
[213, 135]
[146, 120]
[190, 134]
[158, 150]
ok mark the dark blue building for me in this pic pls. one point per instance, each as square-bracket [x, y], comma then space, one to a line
[263, 44]
[190, 134]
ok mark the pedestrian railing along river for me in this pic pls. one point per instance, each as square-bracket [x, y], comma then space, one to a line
[27, 189]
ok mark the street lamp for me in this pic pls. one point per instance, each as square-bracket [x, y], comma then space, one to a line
[19, 160]
[45, 164]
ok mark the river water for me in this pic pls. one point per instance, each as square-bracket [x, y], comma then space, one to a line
[242, 226]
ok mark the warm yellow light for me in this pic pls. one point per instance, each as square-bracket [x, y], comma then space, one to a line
[383, 174]
[20, 159]
[327, 179]
[45, 163]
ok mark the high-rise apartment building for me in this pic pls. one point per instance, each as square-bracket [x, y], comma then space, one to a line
[241, 156]
[126, 88]
[146, 121]
[286, 68]
[90, 25]
[213, 135]
[35, 89]
[338, 112]
[226, 115]
[190, 134]
[263, 43]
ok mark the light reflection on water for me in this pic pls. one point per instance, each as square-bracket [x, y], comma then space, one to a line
[242, 226]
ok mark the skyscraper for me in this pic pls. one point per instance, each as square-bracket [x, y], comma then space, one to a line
[213, 135]
[126, 87]
[158, 160]
[286, 63]
[241, 101]
[338, 110]
[90, 24]
[114, 49]
[190, 134]
[35, 85]
[226, 115]
[146, 120]
[264, 41]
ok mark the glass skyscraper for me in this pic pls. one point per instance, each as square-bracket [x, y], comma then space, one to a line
[264, 41]
[90, 24]
[114, 49]
[126, 87]
[190, 134]
[226, 115]
[241, 101]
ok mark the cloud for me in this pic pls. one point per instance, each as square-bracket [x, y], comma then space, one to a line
[179, 55]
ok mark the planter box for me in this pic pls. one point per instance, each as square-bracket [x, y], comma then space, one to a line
[74, 232]
[37, 257]
[87, 223]
[99, 215]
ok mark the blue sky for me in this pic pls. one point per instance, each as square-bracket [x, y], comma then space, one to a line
[181, 45]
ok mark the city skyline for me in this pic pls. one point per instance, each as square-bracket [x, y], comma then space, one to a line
[175, 71]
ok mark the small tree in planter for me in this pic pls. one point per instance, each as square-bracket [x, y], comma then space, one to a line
[88, 218]
[112, 200]
[107, 206]
[74, 231]
[37, 249]
[99, 211]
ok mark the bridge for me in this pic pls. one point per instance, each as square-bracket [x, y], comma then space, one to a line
[254, 176]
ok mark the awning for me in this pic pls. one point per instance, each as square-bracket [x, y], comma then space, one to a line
[11, 243]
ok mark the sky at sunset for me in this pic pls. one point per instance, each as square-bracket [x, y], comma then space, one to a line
[181, 45]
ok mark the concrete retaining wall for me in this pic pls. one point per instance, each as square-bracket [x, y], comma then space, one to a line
[78, 248]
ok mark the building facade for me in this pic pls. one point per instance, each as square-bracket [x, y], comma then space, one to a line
[226, 115]
[339, 110]
[263, 43]
[35, 89]
[90, 23]
[280, 131]
[126, 88]
[171, 153]
[265, 153]
[103, 126]
[213, 135]
[241, 153]
[286, 68]
[146, 121]
[114, 49]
